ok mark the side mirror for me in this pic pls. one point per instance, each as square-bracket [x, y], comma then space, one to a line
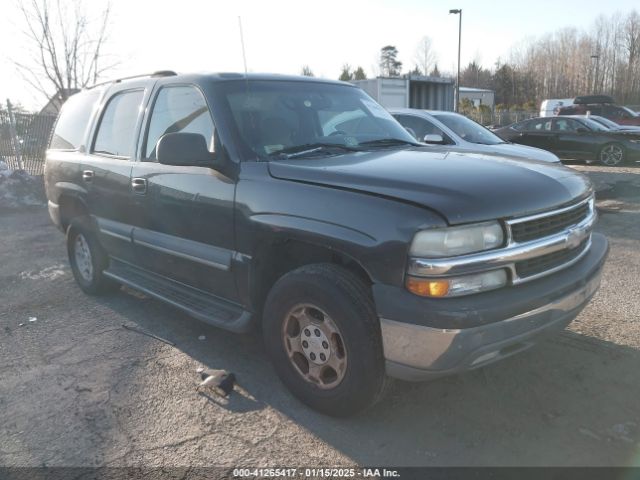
[184, 149]
[433, 138]
[582, 130]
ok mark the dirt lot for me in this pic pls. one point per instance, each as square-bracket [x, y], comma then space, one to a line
[78, 389]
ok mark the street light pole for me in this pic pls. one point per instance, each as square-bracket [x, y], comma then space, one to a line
[595, 76]
[458, 11]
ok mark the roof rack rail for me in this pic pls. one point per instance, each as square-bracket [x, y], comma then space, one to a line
[158, 73]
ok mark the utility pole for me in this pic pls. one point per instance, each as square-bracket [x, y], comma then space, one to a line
[458, 11]
[595, 77]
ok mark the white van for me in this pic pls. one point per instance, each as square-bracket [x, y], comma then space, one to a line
[548, 108]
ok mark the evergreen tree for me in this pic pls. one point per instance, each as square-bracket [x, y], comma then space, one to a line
[390, 66]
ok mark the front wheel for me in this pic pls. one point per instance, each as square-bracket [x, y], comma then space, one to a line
[87, 258]
[323, 337]
[612, 154]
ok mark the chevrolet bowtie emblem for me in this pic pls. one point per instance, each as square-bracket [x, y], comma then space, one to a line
[574, 237]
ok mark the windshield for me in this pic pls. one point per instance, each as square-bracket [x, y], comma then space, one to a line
[630, 112]
[272, 118]
[468, 129]
[593, 125]
[606, 122]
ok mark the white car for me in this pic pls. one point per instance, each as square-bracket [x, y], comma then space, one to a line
[550, 107]
[459, 133]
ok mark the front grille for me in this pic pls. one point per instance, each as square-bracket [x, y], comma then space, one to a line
[545, 226]
[533, 266]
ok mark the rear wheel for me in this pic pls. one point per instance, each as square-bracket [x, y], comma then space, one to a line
[87, 258]
[612, 154]
[323, 336]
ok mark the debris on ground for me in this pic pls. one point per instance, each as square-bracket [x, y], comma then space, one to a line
[220, 382]
[202, 337]
[33, 319]
[19, 189]
[588, 433]
[48, 273]
[623, 431]
[148, 334]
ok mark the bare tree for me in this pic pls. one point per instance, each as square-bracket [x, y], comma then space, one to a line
[63, 46]
[425, 56]
[306, 71]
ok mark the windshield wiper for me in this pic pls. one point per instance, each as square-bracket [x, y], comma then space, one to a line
[384, 142]
[310, 148]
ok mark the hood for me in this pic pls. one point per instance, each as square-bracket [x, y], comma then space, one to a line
[521, 151]
[627, 134]
[462, 187]
[511, 150]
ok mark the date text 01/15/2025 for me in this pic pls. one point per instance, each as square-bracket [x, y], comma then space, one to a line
[315, 472]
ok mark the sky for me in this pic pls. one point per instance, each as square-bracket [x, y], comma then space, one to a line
[281, 36]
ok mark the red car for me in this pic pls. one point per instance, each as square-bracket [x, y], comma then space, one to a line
[603, 106]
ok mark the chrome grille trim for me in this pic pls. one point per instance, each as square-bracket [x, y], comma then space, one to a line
[546, 215]
[506, 257]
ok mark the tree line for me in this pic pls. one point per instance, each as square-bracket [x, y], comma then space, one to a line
[64, 51]
[604, 59]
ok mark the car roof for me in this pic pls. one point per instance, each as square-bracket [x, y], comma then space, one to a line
[224, 77]
[419, 111]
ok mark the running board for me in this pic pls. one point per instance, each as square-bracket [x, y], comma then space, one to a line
[201, 305]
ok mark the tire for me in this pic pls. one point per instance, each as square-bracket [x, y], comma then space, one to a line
[331, 297]
[88, 258]
[612, 155]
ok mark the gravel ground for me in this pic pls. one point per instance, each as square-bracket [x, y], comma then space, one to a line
[78, 389]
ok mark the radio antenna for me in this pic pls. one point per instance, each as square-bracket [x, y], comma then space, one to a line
[244, 56]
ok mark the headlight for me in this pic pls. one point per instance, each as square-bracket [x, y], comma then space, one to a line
[456, 286]
[448, 242]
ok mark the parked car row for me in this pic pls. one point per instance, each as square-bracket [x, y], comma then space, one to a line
[459, 133]
[576, 137]
[600, 105]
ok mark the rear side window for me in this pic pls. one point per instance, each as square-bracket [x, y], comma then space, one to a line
[117, 127]
[566, 125]
[73, 121]
[539, 125]
[178, 109]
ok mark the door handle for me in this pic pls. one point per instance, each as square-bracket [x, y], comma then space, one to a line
[139, 185]
[87, 176]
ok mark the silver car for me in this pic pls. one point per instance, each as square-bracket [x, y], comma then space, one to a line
[459, 133]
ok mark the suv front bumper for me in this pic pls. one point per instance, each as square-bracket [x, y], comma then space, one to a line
[427, 338]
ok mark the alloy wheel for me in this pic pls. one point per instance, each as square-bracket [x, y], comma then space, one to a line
[611, 155]
[315, 346]
[82, 255]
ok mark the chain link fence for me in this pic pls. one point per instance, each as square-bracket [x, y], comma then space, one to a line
[24, 138]
[501, 118]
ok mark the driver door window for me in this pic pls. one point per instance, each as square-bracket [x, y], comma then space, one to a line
[565, 125]
[420, 127]
[178, 109]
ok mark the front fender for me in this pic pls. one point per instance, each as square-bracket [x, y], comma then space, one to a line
[373, 230]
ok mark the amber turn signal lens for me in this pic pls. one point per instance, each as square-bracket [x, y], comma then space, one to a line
[428, 288]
